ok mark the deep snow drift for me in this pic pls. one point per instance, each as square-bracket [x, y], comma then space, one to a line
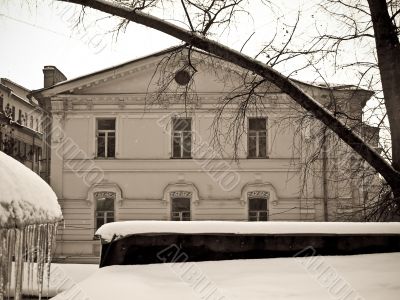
[358, 277]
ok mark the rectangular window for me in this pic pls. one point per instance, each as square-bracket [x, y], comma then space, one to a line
[29, 152]
[258, 209]
[31, 122]
[257, 138]
[180, 209]
[19, 116]
[104, 208]
[106, 138]
[182, 138]
[13, 113]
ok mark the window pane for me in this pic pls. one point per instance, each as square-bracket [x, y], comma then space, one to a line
[110, 217]
[99, 220]
[105, 204]
[101, 145]
[187, 144]
[106, 124]
[262, 144]
[111, 145]
[182, 124]
[180, 209]
[176, 145]
[257, 204]
[252, 145]
[257, 124]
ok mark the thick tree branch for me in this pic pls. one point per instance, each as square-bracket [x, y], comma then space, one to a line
[286, 85]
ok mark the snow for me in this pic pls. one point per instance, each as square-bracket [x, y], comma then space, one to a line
[62, 277]
[25, 198]
[121, 229]
[367, 277]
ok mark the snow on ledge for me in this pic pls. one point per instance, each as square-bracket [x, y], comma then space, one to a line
[122, 229]
[25, 198]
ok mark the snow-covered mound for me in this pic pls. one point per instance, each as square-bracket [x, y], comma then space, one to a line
[121, 229]
[25, 198]
[362, 277]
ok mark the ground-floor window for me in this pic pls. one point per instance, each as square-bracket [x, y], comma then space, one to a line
[258, 209]
[180, 206]
[105, 209]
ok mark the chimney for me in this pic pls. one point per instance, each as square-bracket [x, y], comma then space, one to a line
[52, 75]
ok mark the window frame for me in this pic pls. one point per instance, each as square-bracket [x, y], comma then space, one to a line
[105, 213]
[257, 137]
[181, 135]
[258, 212]
[178, 195]
[106, 133]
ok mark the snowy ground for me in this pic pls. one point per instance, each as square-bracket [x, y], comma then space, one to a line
[372, 276]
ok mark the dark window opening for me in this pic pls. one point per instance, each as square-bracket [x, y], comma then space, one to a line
[258, 209]
[180, 209]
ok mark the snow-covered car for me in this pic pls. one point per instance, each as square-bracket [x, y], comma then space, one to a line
[176, 271]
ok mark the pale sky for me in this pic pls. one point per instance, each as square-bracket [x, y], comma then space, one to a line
[34, 34]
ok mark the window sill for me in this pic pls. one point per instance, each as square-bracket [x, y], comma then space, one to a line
[181, 157]
[105, 158]
[267, 157]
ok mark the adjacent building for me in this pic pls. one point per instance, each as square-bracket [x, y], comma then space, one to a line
[141, 141]
[21, 131]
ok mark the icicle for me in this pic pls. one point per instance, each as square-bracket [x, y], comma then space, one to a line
[3, 261]
[19, 263]
[31, 249]
[10, 251]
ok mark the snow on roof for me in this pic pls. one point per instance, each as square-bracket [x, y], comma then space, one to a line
[122, 229]
[25, 198]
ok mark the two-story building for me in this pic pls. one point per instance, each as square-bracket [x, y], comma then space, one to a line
[144, 141]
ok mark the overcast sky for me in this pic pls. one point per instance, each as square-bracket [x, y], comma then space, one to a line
[34, 33]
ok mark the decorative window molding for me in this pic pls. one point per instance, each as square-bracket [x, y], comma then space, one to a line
[259, 190]
[180, 190]
[258, 194]
[180, 194]
[104, 187]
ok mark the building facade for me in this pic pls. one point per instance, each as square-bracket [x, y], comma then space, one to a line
[141, 141]
[21, 131]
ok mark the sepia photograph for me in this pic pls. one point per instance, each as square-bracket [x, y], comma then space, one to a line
[200, 149]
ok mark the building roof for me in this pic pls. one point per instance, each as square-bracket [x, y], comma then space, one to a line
[68, 83]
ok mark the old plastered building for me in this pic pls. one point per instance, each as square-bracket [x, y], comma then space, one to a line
[138, 142]
[21, 131]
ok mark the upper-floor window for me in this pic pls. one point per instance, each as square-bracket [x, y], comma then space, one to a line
[258, 209]
[105, 138]
[13, 113]
[104, 207]
[180, 208]
[257, 138]
[37, 125]
[19, 116]
[182, 138]
[31, 122]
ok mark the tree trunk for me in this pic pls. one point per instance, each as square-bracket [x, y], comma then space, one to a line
[286, 85]
[388, 50]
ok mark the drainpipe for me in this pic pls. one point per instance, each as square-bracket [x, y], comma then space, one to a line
[325, 177]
